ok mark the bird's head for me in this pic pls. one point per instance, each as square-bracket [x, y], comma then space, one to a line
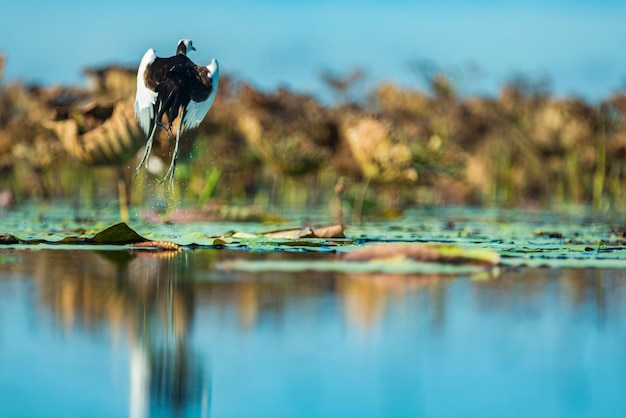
[184, 45]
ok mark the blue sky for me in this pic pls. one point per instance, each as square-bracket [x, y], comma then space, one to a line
[580, 45]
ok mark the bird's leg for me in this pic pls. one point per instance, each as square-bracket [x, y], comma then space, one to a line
[146, 153]
[170, 171]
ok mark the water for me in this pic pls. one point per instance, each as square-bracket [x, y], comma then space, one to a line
[116, 334]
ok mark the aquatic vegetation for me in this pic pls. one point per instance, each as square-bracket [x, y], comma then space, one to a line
[425, 252]
[381, 158]
[99, 133]
[474, 238]
[389, 148]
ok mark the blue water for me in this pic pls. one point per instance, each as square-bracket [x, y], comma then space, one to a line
[113, 334]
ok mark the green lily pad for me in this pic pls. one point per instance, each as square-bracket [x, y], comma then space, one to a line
[118, 234]
[518, 238]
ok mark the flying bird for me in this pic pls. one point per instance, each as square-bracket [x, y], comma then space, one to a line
[169, 86]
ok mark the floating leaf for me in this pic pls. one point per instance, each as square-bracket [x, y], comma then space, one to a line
[405, 267]
[8, 239]
[548, 234]
[160, 245]
[291, 233]
[333, 231]
[431, 253]
[117, 234]
[242, 235]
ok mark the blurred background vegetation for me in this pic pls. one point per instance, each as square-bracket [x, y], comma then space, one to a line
[379, 150]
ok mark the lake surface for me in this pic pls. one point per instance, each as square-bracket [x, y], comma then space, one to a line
[116, 334]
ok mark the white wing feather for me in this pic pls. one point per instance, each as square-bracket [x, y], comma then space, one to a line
[196, 111]
[145, 98]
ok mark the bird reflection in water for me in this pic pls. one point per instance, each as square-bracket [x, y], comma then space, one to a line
[151, 297]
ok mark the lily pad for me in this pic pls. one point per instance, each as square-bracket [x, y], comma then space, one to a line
[434, 253]
[119, 234]
[517, 238]
[373, 266]
[115, 235]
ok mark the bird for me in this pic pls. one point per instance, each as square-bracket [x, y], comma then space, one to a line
[169, 86]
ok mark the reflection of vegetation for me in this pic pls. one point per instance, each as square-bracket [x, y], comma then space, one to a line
[440, 147]
[155, 299]
[303, 315]
[149, 298]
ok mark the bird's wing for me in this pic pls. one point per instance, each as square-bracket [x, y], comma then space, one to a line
[196, 111]
[145, 98]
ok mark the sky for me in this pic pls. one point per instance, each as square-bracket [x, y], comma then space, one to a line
[580, 45]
